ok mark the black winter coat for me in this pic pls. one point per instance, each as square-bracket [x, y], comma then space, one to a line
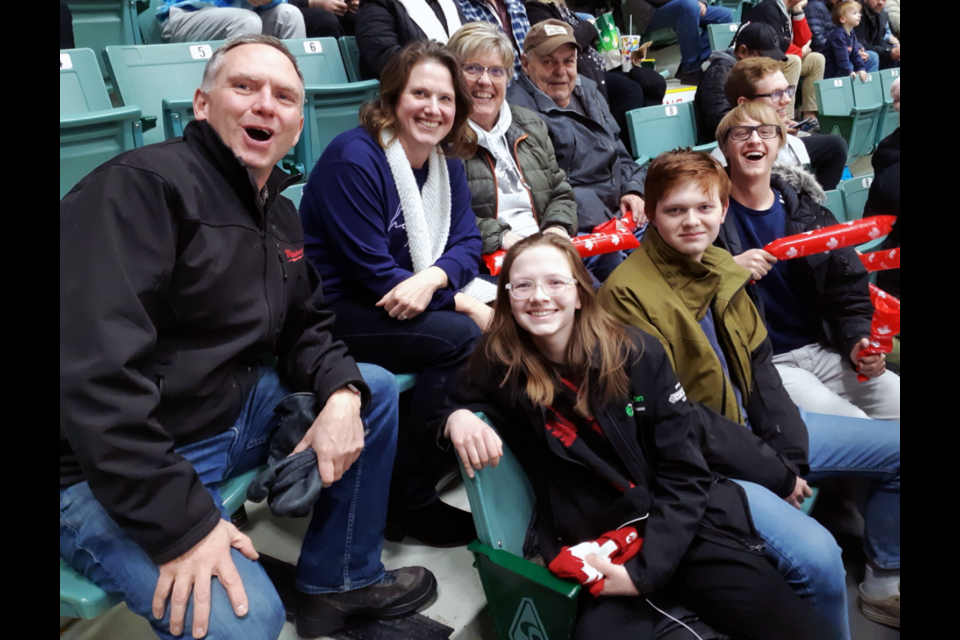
[872, 30]
[711, 105]
[833, 288]
[176, 282]
[384, 28]
[820, 21]
[884, 200]
[660, 438]
[771, 13]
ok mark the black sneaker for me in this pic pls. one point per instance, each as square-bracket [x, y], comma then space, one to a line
[691, 78]
[436, 525]
[400, 593]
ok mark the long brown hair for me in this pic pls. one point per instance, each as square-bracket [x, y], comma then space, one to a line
[381, 114]
[599, 352]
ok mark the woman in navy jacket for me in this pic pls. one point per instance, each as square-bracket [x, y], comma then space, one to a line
[388, 224]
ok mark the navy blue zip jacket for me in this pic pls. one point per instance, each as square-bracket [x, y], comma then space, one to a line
[843, 58]
[355, 231]
[820, 20]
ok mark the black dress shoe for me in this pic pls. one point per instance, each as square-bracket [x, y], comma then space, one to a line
[691, 78]
[400, 593]
[435, 525]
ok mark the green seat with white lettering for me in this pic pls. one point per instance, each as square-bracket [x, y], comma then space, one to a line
[654, 130]
[98, 24]
[722, 35]
[92, 131]
[851, 109]
[889, 117]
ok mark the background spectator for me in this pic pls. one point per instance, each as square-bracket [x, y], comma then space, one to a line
[202, 20]
[893, 10]
[790, 23]
[873, 34]
[757, 40]
[516, 185]
[641, 87]
[884, 197]
[820, 19]
[328, 18]
[845, 57]
[690, 18]
[388, 223]
[66, 28]
[384, 27]
[509, 15]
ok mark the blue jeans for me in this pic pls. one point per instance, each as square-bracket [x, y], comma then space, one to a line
[346, 532]
[802, 550]
[434, 345]
[684, 16]
[873, 64]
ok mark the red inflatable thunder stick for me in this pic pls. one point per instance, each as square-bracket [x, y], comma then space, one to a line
[841, 236]
[616, 547]
[882, 260]
[886, 324]
[613, 235]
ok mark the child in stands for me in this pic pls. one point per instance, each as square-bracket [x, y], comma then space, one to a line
[597, 418]
[845, 56]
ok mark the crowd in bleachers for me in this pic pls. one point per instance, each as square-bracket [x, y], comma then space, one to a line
[674, 405]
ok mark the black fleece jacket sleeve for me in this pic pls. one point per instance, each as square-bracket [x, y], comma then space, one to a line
[115, 270]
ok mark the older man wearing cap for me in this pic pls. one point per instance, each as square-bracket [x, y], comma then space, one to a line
[762, 79]
[606, 180]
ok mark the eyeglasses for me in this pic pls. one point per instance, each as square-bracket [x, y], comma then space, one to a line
[475, 71]
[765, 131]
[777, 96]
[552, 286]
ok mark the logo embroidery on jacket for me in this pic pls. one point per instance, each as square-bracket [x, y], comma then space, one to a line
[679, 396]
[294, 256]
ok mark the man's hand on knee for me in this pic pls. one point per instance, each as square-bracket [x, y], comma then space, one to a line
[336, 436]
[193, 573]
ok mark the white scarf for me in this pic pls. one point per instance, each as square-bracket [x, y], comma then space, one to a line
[427, 214]
[424, 17]
[499, 131]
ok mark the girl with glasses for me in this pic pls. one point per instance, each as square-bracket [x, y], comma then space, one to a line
[597, 418]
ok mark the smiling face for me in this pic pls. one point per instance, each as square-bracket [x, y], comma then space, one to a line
[554, 74]
[255, 105]
[772, 83]
[753, 157]
[425, 111]
[689, 219]
[488, 92]
[548, 320]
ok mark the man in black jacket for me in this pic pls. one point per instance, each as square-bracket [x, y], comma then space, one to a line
[181, 272]
[872, 34]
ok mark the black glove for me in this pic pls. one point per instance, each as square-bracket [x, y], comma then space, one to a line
[292, 483]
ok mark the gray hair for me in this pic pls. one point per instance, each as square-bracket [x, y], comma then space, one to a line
[213, 67]
[895, 94]
[482, 37]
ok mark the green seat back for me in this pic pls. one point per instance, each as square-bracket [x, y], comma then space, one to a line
[855, 193]
[722, 35]
[91, 130]
[294, 194]
[147, 75]
[98, 24]
[835, 204]
[851, 110]
[889, 117]
[150, 28]
[406, 381]
[350, 51]
[654, 130]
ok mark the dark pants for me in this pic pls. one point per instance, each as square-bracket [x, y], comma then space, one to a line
[66, 28]
[640, 88]
[434, 345]
[321, 23]
[828, 157]
[737, 592]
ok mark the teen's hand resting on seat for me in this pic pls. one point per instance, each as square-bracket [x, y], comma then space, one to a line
[193, 573]
[477, 444]
[617, 583]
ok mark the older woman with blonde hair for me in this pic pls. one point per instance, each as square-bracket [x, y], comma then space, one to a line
[388, 224]
[517, 187]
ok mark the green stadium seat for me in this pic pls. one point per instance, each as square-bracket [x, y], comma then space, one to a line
[851, 110]
[654, 130]
[722, 35]
[889, 117]
[855, 193]
[406, 381]
[835, 204]
[294, 194]
[350, 51]
[98, 24]
[80, 598]
[92, 131]
[518, 592]
[739, 8]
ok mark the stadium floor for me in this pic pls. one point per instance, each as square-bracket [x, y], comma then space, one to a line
[460, 602]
